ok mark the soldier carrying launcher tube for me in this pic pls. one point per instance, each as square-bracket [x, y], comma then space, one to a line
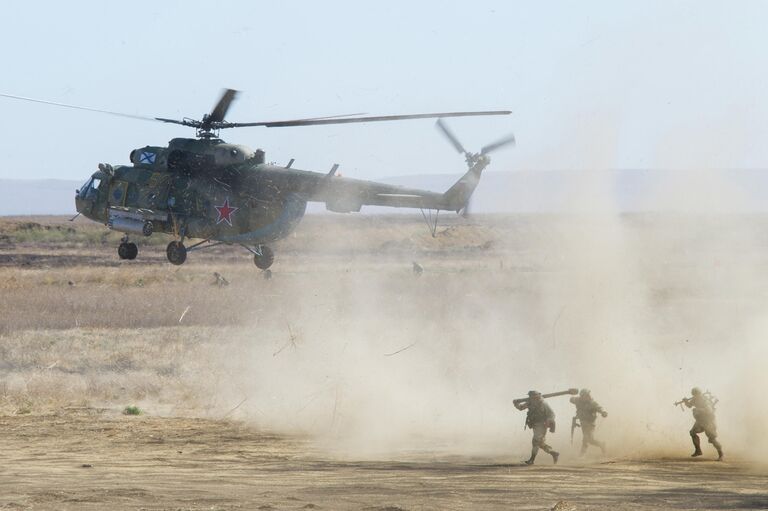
[540, 418]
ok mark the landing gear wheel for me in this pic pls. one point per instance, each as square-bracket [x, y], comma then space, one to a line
[127, 250]
[266, 258]
[176, 252]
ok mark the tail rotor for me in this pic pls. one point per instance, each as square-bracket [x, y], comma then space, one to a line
[473, 158]
[476, 162]
[502, 142]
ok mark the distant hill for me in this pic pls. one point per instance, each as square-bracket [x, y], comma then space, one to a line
[509, 192]
[614, 190]
[37, 197]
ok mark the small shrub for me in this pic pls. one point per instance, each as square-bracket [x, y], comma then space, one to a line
[132, 410]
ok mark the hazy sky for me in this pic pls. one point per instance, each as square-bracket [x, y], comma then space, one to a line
[659, 84]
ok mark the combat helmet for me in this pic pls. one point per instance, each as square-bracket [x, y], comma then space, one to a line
[695, 391]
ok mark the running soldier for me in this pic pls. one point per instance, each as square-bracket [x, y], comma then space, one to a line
[704, 413]
[540, 418]
[586, 413]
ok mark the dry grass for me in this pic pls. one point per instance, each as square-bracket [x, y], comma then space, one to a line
[78, 327]
[332, 233]
[46, 369]
[56, 275]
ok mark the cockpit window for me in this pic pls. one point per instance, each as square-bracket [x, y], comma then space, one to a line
[89, 191]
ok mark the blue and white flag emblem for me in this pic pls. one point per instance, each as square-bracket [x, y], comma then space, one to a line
[147, 157]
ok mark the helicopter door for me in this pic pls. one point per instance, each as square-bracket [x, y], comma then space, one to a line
[155, 194]
[132, 196]
[117, 193]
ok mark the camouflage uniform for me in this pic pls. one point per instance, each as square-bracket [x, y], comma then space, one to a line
[704, 414]
[540, 418]
[586, 411]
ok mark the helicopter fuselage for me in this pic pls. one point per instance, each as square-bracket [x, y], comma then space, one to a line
[226, 193]
[246, 203]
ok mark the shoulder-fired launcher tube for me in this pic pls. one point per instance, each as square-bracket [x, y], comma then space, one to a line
[573, 392]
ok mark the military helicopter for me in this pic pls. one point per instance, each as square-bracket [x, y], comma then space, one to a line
[206, 189]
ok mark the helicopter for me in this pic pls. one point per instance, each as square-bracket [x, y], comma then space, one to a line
[206, 189]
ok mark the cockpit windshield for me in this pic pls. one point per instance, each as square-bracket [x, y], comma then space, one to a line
[90, 189]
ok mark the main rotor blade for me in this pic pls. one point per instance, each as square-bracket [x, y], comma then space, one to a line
[350, 120]
[220, 110]
[76, 107]
[208, 125]
[498, 144]
[450, 136]
[172, 121]
[184, 122]
[339, 116]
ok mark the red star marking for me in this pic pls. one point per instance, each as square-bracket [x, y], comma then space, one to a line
[225, 212]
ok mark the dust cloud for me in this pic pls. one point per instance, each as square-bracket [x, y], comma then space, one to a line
[638, 308]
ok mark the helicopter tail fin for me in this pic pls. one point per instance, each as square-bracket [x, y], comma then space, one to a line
[457, 196]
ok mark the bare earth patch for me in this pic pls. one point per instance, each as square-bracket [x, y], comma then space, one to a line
[96, 459]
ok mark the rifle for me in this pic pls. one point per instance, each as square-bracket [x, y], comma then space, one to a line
[573, 392]
[574, 424]
[682, 402]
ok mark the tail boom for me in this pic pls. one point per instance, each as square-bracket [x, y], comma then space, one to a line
[458, 195]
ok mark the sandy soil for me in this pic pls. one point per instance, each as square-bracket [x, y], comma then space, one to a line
[82, 335]
[97, 459]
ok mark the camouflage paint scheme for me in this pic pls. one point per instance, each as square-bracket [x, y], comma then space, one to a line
[206, 188]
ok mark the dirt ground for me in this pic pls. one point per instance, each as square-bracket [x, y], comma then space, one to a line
[97, 459]
[82, 335]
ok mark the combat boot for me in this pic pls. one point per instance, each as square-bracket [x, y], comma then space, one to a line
[719, 452]
[696, 446]
[555, 456]
[534, 452]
